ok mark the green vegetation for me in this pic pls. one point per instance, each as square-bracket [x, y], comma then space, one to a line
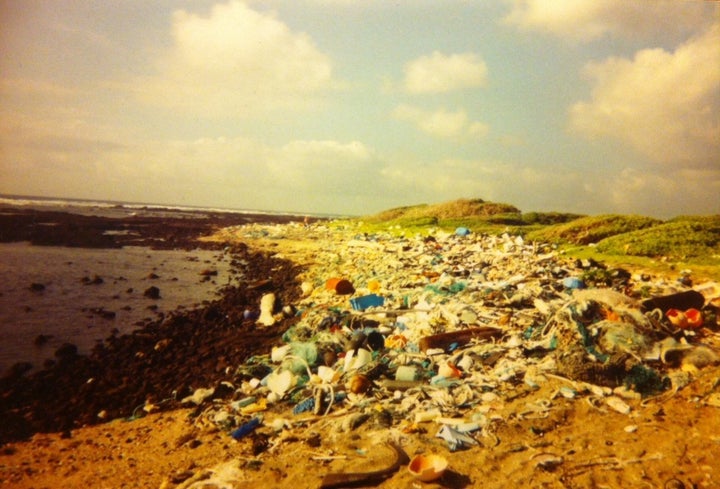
[475, 214]
[591, 229]
[619, 240]
[460, 208]
[678, 239]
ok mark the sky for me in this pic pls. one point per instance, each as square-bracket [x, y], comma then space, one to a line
[355, 106]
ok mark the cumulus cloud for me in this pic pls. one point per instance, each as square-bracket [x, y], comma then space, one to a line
[441, 123]
[634, 189]
[663, 104]
[235, 61]
[586, 20]
[438, 73]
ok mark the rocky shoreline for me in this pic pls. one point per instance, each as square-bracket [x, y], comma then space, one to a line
[165, 359]
[181, 230]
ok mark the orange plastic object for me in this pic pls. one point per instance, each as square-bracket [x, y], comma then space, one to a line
[427, 468]
[677, 318]
[694, 318]
[396, 341]
[340, 286]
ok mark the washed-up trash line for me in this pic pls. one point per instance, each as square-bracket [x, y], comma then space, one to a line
[572, 320]
[350, 479]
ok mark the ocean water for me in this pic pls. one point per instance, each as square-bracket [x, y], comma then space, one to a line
[71, 306]
[68, 310]
[125, 209]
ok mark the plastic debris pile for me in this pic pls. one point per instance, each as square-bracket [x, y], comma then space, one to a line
[440, 330]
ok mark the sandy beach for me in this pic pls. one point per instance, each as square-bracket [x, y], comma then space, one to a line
[114, 419]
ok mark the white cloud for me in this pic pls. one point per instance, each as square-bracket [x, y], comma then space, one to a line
[302, 175]
[586, 20]
[236, 61]
[441, 123]
[683, 192]
[663, 104]
[438, 73]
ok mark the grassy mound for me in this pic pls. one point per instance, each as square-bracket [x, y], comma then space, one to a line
[461, 208]
[548, 218]
[592, 229]
[679, 238]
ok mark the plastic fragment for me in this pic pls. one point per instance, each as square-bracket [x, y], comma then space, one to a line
[427, 468]
[689, 319]
[280, 382]
[355, 359]
[267, 307]
[573, 283]
[406, 373]
[568, 392]
[304, 406]
[367, 301]
[246, 428]
[400, 385]
[455, 440]
[306, 288]
[429, 415]
[694, 318]
[449, 371]
[198, 396]
[255, 407]
[618, 405]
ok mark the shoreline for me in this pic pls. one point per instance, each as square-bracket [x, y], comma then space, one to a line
[534, 434]
[128, 370]
[179, 230]
[158, 363]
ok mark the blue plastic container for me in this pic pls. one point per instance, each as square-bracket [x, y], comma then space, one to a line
[362, 303]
